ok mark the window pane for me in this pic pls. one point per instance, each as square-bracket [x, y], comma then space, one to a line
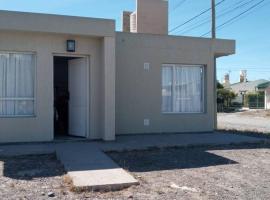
[188, 89]
[17, 79]
[21, 76]
[3, 73]
[16, 108]
[182, 88]
[167, 89]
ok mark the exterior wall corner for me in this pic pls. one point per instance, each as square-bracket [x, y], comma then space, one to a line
[109, 88]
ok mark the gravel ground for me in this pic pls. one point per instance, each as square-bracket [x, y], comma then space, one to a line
[252, 121]
[30, 177]
[228, 172]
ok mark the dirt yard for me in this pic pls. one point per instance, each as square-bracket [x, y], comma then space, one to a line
[251, 121]
[228, 172]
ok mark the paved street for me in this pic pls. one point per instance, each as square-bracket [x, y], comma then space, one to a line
[252, 121]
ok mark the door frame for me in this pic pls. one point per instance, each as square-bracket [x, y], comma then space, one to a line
[87, 57]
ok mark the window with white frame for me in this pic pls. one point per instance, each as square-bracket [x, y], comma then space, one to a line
[182, 88]
[17, 84]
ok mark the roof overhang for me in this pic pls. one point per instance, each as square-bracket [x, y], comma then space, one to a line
[264, 86]
[59, 24]
[223, 47]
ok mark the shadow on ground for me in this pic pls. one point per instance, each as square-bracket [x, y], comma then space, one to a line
[175, 158]
[31, 167]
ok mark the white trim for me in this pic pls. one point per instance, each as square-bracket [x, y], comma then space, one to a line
[17, 116]
[179, 113]
[16, 99]
[87, 57]
[18, 52]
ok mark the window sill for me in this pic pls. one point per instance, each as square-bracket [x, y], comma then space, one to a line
[17, 116]
[182, 113]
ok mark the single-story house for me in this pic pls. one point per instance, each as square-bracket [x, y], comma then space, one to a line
[77, 76]
[245, 87]
[265, 87]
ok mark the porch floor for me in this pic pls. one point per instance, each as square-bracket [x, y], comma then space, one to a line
[90, 168]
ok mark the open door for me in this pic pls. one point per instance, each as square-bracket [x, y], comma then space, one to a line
[77, 81]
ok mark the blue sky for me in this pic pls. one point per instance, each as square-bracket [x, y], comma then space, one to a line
[251, 31]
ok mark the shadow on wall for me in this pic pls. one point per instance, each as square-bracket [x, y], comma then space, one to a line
[30, 167]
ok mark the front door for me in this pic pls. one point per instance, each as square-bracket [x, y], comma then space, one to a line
[77, 81]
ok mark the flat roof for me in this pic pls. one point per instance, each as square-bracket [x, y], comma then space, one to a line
[220, 47]
[61, 24]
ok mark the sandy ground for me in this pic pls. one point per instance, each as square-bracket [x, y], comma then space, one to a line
[252, 121]
[229, 172]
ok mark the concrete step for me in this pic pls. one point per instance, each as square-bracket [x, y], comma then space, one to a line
[91, 169]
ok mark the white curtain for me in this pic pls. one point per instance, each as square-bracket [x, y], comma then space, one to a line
[17, 84]
[186, 89]
[167, 80]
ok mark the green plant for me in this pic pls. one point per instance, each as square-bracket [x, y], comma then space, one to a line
[224, 97]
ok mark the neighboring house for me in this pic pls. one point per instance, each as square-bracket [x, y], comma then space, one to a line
[265, 87]
[245, 87]
[77, 76]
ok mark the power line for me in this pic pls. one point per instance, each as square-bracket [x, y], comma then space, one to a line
[178, 5]
[243, 68]
[257, 69]
[206, 20]
[235, 4]
[235, 17]
[237, 70]
[243, 16]
[196, 16]
[183, 31]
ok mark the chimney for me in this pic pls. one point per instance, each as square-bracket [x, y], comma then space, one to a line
[226, 81]
[151, 16]
[243, 76]
[133, 22]
[226, 78]
[126, 21]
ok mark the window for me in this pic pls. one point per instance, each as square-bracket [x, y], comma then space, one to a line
[17, 83]
[182, 88]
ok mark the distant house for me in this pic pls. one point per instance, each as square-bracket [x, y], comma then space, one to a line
[266, 88]
[244, 87]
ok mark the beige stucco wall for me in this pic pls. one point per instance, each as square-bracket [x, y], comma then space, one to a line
[40, 128]
[119, 99]
[152, 16]
[46, 35]
[138, 92]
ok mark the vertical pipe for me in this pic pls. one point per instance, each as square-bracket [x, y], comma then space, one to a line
[215, 70]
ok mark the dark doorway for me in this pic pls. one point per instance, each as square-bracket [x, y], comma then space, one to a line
[70, 100]
[61, 96]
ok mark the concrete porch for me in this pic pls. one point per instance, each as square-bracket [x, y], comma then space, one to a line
[90, 168]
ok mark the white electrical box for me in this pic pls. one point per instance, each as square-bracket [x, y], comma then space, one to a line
[146, 122]
[146, 66]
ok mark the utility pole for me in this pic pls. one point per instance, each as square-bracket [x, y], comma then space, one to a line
[214, 62]
[213, 19]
